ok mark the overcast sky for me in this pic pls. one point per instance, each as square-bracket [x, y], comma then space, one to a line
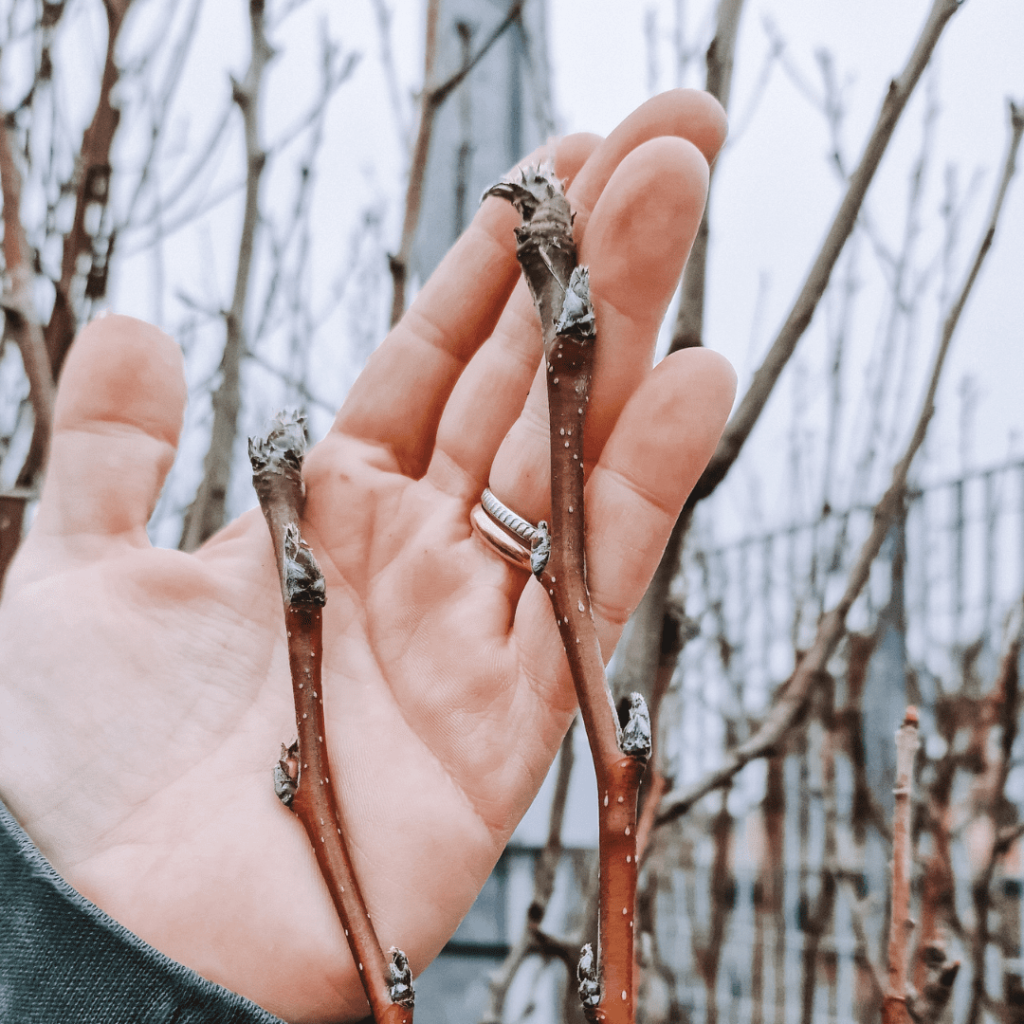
[774, 195]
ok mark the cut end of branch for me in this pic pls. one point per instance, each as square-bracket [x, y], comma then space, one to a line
[635, 723]
[577, 316]
[586, 975]
[304, 582]
[399, 978]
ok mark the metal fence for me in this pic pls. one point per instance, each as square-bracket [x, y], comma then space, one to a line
[935, 606]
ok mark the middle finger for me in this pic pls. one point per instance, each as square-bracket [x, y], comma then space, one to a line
[486, 408]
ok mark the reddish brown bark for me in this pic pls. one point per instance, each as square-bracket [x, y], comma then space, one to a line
[22, 322]
[93, 176]
[620, 740]
[303, 775]
[19, 307]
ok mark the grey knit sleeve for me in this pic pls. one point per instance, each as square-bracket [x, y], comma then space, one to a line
[64, 961]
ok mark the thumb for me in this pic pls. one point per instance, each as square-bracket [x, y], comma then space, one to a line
[118, 415]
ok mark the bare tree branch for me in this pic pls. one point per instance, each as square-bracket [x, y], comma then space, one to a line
[302, 777]
[619, 736]
[894, 1005]
[1005, 700]
[18, 305]
[647, 628]
[532, 940]
[206, 513]
[93, 175]
[900, 89]
[833, 624]
[689, 327]
[431, 100]
[387, 59]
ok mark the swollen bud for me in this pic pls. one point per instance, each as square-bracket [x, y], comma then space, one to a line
[540, 548]
[577, 316]
[586, 975]
[283, 445]
[635, 737]
[304, 582]
[399, 978]
[286, 774]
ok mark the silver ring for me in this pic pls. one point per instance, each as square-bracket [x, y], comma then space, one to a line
[503, 514]
[509, 535]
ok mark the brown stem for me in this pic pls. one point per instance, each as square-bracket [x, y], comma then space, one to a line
[651, 622]
[689, 326]
[431, 101]
[22, 321]
[532, 938]
[93, 191]
[832, 627]
[206, 513]
[894, 1006]
[93, 173]
[991, 796]
[900, 89]
[620, 741]
[17, 300]
[302, 778]
[819, 920]
[938, 884]
[708, 950]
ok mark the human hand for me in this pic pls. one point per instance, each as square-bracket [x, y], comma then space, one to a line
[145, 692]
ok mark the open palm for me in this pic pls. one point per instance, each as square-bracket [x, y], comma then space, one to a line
[145, 692]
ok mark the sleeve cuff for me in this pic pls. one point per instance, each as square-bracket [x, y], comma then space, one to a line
[62, 959]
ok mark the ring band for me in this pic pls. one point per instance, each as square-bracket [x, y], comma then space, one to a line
[510, 535]
[503, 514]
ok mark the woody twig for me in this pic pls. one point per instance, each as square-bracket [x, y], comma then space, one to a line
[785, 713]
[431, 100]
[894, 1005]
[302, 777]
[20, 321]
[620, 739]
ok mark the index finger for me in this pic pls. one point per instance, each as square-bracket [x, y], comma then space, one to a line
[401, 392]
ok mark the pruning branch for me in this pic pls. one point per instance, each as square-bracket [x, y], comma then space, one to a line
[302, 777]
[620, 739]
